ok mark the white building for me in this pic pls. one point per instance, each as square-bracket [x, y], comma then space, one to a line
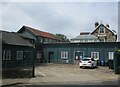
[84, 38]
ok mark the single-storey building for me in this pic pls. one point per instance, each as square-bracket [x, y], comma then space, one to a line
[72, 52]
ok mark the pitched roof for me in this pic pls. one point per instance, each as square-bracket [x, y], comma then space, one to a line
[13, 38]
[105, 27]
[40, 33]
[84, 37]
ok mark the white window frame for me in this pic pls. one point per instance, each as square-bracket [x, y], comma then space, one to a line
[110, 55]
[64, 54]
[100, 30]
[97, 55]
[6, 55]
[102, 38]
[18, 56]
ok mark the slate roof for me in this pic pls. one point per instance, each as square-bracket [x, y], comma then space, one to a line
[13, 38]
[84, 37]
[40, 33]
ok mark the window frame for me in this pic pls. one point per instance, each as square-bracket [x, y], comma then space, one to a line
[7, 55]
[98, 55]
[86, 40]
[39, 55]
[18, 57]
[102, 38]
[101, 31]
[64, 54]
[111, 57]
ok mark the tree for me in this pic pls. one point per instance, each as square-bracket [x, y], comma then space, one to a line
[63, 37]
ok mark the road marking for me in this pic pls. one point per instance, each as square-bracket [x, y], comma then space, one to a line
[42, 74]
[55, 73]
[49, 71]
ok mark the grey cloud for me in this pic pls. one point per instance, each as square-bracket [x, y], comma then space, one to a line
[48, 16]
[67, 18]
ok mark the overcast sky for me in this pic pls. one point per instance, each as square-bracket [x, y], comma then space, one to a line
[69, 18]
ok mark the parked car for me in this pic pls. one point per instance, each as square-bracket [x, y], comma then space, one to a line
[87, 62]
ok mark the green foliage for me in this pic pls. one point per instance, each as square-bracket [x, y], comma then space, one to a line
[63, 37]
[118, 51]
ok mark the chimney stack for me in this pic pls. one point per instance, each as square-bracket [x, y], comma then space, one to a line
[108, 25]
[96, 24]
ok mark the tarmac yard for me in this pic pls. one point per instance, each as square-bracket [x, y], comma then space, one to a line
[63, 74]
[68, 74]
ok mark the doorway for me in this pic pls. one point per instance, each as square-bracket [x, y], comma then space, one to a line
[51, 57]
[78, 56]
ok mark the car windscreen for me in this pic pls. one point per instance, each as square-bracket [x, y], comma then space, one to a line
[85, 59]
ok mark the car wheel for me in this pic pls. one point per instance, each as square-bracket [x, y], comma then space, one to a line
[80, 66]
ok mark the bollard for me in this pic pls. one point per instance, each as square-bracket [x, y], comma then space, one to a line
[111, 64]
[102, 63]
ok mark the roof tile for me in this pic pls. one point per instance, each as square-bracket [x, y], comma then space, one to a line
[42, 34]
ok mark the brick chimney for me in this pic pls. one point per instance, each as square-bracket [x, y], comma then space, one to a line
[96, 24]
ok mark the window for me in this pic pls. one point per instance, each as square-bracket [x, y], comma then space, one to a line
[39, 55]
[64, 54]
[19, 55]
[90, 40]
[31, 41]
[101, 30]
[81, 40]
[95, 55]
[102, 39]
[111, 55]
[7, 55]
[46, 39]
[86, 40]
[41, 40]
